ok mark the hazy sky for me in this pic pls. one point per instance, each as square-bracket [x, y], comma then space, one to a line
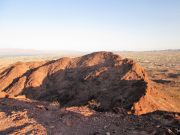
[90, 25]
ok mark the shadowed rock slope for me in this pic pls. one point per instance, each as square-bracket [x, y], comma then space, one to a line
[101, 80]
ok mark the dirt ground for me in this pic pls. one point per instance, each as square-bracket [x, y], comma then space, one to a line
[23, 116]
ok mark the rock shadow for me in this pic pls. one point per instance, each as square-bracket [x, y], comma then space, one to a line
[101, 83]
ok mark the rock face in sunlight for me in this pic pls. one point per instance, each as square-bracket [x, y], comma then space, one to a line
[102, 77]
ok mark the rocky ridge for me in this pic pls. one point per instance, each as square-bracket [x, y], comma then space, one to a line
[101, 80]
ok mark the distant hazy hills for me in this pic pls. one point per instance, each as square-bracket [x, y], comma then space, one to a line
[8, 52]
[30, 52]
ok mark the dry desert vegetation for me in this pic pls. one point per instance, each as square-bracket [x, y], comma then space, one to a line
[101, 93]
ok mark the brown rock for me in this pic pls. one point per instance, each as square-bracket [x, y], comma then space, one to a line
[102, 76]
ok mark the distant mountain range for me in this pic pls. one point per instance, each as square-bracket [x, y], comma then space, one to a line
[19, 52]
[31, 52]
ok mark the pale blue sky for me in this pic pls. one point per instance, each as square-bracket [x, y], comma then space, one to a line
[90, 25]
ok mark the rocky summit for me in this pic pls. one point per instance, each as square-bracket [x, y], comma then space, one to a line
[97, 94]
[102, 80]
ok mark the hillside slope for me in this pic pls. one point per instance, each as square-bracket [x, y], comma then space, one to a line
[101, 80]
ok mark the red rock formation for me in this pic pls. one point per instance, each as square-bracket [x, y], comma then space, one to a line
[103, 76]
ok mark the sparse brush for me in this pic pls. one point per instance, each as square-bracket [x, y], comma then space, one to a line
[55, 105]
[94, 104]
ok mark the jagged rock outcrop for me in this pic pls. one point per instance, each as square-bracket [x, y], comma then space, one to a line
[103, 77]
